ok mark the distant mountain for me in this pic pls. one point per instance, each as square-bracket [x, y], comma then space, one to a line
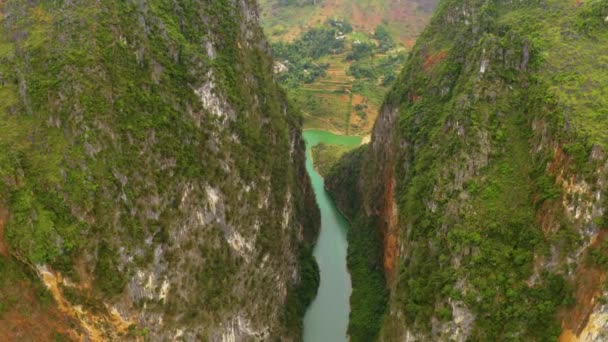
[286, 19]
[339, 57]
[486, 181]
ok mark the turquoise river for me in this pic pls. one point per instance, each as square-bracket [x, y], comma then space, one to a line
[327, 317]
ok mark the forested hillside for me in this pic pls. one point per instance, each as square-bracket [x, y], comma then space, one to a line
[481, 200]
[152, 180]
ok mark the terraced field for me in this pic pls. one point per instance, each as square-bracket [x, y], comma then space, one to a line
[339, 102]
[329, 103]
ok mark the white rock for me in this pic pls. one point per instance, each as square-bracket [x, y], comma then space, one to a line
[485, 63]
[212, 102]
[212, 195]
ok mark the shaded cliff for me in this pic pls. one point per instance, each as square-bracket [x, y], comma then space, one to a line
[152, 173]
[486, 177]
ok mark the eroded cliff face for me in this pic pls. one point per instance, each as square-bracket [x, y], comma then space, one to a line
[494, 156]
[152, 170]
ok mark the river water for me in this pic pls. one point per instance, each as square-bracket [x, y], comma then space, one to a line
[327, 317]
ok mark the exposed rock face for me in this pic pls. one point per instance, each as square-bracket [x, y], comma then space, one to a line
[498, 175]
[152, 170]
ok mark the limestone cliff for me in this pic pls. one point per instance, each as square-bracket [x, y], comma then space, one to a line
[486, 178]
[152, 174]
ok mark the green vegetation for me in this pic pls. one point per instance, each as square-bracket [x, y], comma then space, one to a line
[365, 250]
[383, 69]
[369, 297]
[341, 182]
[305, 292]
[285, 19]
[105, 128]
[331, 70]
[496, 242]
[598, 256]
[384, 38]
[300, 56]
[107, 275]
[360, 50]
[572, 57]
[326, 155]
[375, 36]
[494, 110]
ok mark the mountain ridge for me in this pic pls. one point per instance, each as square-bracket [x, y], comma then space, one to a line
[485, 179]
[153, 173]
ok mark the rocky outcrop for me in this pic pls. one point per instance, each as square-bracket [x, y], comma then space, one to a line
[486, 178]
[153, 170]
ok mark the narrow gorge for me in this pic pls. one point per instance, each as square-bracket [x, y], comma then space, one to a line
[327, 316]
[304, 170]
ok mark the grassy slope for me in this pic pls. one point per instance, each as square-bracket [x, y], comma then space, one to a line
[574, 60]
[325, 156]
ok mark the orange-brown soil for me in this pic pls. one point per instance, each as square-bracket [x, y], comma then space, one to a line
[588, 288]
[391, 230]
[433, 59]
[3, 219]
[29, 319]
